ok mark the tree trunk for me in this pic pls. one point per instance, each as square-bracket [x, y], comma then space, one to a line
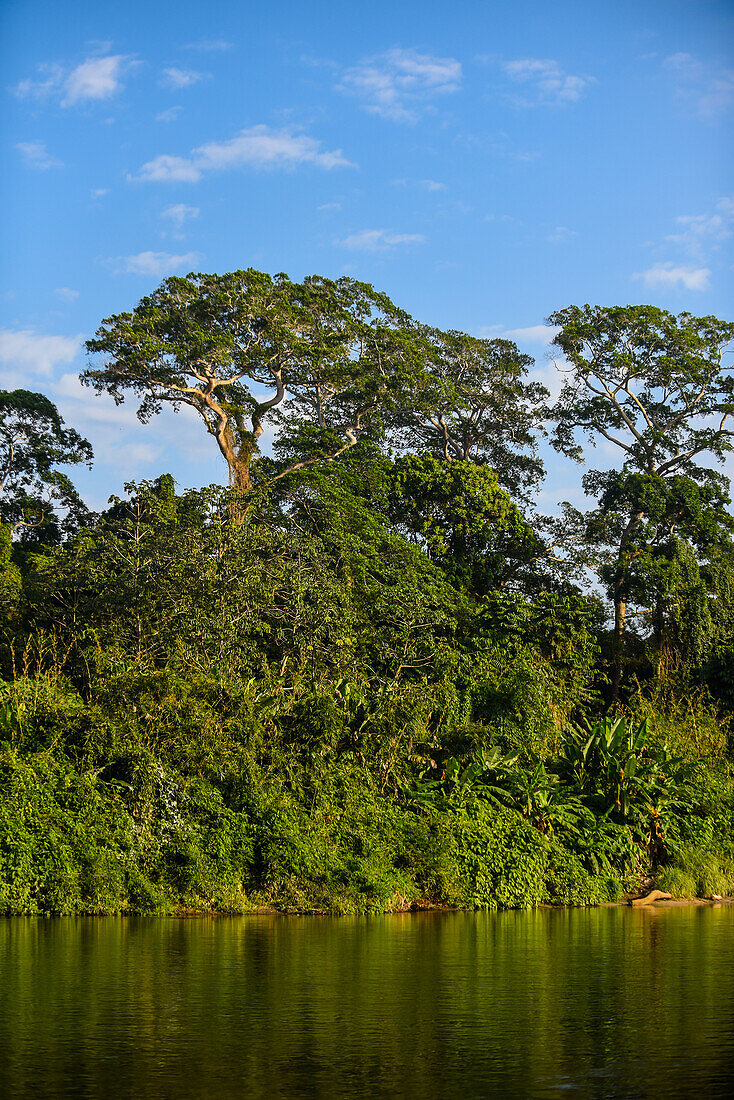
[239, 476]
[237, 459]
[620, 617]
[660, 636]
[620, 603]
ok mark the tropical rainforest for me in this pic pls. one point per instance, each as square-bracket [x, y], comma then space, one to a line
[367, 673]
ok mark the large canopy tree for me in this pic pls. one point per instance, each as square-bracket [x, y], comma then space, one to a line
[474, 403]
[236, 348]
[658, 389]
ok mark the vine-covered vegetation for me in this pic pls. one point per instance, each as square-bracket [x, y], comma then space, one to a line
[367, 674]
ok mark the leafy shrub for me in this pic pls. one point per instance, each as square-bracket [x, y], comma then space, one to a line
[501, 859]
[568, 882]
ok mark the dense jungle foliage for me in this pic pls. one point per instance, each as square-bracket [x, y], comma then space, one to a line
[367, 674]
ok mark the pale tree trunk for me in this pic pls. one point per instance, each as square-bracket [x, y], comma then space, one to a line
[620, 604]
[660, 631]
[237, 463]
[620, 619]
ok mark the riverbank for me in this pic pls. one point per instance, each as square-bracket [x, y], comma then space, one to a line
[432, 907]
[74, 842]
[152, 793]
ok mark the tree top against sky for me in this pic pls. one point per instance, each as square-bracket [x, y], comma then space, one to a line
[659, 388]
[481, 165]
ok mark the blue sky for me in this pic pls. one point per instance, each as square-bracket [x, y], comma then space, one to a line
[484, 163]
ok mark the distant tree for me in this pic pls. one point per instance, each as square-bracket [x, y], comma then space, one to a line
[33, 443]
[332, 351]
[670, 556]
[656, 387]
[473, 403]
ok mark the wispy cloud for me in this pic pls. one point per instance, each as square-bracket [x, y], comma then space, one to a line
[99, 192]
[66, 294]
[36, 155]
[258, 147]
[699, 233]
[545, 82]
[561, 235]
[399, 84]
[699, 238]
[329, 206]
[94, 79]
[431, 185]
[49, 79]
[675, 275]
[181, 78]
[154, 263]
[169, 115]
[425, 185]
[533, 334]
[179, 214]
[710, 88]
[379, 240]
[33, 353]
[209, 45]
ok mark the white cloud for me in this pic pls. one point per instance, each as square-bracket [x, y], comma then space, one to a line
[330, 206]
[154, 263]
[180, 213]
[36, 155]
[561, 235]
[66, 294]
[698, 232]
[431, 185]
[398, 84]
[97, 78]
[94, 79]
[533, 334]
[546, 80]
[169, 115]
[672, 275]
[169, 169]
[379, 240]
[30, 352]
[259, 147]
[99, 192]
[708, 87]
[180, 78]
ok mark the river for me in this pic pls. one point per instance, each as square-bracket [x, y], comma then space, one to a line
[611, 1002]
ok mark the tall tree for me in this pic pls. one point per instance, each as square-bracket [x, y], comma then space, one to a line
[473, 403]
[334, 349]
[657, 388]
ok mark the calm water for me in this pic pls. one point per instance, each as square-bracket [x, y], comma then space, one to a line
[584, 1003]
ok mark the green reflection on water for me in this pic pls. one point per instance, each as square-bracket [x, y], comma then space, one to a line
[597, 1002]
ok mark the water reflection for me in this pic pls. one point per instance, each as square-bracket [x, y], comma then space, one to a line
[599, 1003]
